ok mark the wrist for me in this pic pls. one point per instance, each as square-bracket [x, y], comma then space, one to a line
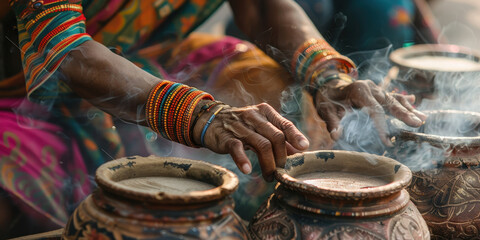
[316, 61]
[328, 79]
[202, 108]
[203, 122]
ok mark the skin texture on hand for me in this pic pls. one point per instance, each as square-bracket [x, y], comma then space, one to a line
[337, 97]
[258, 128]
[283, 33]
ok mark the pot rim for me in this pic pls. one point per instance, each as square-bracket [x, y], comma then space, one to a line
[442, 141]
[402, 173]
[177, 167]
[400, 56]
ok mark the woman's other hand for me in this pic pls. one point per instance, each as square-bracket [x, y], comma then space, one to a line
[258, 128]
[337, 96]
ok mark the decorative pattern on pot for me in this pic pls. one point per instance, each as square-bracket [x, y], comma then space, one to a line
[444, 156]
[339, 195]
[158, 198]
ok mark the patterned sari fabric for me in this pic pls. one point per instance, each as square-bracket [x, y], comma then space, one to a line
[47, 164]
[153, 35]
[35, 163]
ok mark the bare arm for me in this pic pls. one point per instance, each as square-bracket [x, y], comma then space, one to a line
[117, 86]
[281, 24]
[108, 81]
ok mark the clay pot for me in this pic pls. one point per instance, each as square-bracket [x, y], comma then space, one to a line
[339, 195]
[158, 198]
[416, 67]
[446, 185]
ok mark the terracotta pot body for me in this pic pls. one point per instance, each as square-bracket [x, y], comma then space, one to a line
[416, 67]
[349, 196]
[151, 210]
[447, 194]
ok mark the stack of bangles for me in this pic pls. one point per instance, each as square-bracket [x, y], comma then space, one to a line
[169, 111]
[315, 63]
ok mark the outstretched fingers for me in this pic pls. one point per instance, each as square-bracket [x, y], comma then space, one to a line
[407, 101]
[397, 109]
[236, 149]
[363, 96]
[258, 128]
[260, 144]
[291, 133]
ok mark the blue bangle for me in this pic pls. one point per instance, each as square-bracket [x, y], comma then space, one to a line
[202, 137]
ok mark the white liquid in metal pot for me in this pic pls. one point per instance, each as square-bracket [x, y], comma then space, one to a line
[169, 185]
[446, 64]
[341, 180]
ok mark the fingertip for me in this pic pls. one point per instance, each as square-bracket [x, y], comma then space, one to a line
[246, 168]
[303, 143]
[386, 140]
[411, 98]
[291, 149]
[420, 115]
[336, 133]
[240, 158]
[416, 120]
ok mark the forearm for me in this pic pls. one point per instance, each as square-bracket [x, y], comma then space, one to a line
[281, 24]
[108, 81]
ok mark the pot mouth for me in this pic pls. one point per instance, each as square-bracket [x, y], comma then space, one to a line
[443, 128]
[343, 175]
[437, 58]
[166, 180]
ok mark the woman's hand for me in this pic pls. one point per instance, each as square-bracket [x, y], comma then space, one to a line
[259, 128]
[337, 96]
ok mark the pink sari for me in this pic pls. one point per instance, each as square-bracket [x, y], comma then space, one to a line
[38, 166]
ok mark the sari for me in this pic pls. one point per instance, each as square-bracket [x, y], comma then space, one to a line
[156, 35]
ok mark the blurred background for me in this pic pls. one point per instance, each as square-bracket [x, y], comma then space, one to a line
[458, 21]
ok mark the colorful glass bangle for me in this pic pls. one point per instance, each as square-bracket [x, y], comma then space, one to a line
[187, 118]
[202, 137]
[169, 110]
[304, 46]
[330, 63]
[150, 106]
[316, 56]
[309, 45]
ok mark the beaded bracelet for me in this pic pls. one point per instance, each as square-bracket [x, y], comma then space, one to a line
[169, 109]
[202, 137]
[205, 108]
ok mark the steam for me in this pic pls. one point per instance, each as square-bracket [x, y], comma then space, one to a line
[450, 91]
[457, 91]
[359, 134]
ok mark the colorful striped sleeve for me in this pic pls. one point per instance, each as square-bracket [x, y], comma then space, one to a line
[47, 31]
